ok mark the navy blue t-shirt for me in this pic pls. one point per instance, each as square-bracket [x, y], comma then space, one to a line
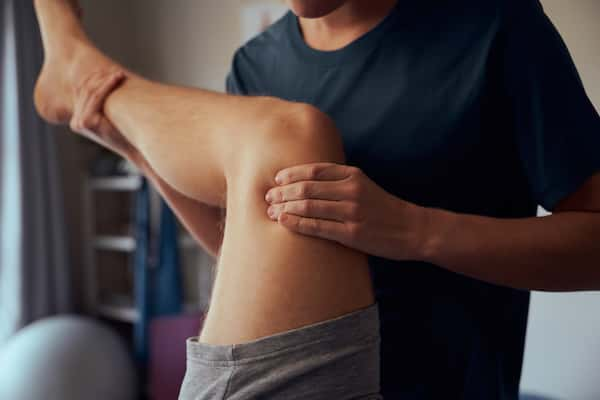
[468, 105]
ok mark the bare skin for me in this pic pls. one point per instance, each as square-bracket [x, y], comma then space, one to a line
[210, 150]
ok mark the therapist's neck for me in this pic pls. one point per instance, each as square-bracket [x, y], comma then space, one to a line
[344, 25]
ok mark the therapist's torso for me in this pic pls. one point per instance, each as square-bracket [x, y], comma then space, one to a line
[425, 109]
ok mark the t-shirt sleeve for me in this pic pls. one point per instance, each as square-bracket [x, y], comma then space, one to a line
[233, 82]
[557, 127]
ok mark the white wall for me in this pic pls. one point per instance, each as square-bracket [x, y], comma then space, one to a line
[562, 356]
[187, 42]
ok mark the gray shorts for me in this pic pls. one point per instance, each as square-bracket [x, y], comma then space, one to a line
[334, 359]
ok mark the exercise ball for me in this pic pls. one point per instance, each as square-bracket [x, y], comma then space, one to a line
[66, 358]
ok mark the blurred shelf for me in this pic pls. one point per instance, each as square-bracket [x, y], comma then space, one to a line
[187, 241]
[121, 308]
[115, 243]
[128, 243]
[117, 183]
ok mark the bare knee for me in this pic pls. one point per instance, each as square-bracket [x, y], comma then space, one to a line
[294, 133]
[291, 134]
[314, 134]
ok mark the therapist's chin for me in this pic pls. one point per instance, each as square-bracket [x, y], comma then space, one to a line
[314, 8]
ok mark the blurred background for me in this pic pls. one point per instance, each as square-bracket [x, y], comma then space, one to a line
[100, 243]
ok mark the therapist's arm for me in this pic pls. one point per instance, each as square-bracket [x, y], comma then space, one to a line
[560, 252]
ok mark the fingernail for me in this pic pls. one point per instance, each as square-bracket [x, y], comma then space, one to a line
[278, 180]
[271, 212]
[269, 197]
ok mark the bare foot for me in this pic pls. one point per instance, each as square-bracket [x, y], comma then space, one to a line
[63, 75]
[69, 60]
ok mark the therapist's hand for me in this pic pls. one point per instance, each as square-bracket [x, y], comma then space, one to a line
[88, 117]
[340, 203]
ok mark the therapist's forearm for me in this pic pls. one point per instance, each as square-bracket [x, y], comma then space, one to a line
[560, 252]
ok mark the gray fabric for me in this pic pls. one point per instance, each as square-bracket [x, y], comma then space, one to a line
[33, 267]
[335, 359]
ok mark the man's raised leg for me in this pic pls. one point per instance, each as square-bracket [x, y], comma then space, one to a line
[222, 149]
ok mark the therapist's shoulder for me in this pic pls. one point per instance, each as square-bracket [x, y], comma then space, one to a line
[469, 15]
[501, 8]
[254, 62]
[267, 43]
[521, 10]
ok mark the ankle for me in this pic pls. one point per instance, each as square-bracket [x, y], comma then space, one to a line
[59, 21]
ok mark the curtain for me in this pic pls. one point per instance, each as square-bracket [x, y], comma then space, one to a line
[166, 286]
[140, 268]
[34, 273]
[158, 281]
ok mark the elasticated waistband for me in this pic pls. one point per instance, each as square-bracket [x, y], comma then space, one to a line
[356, 327]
